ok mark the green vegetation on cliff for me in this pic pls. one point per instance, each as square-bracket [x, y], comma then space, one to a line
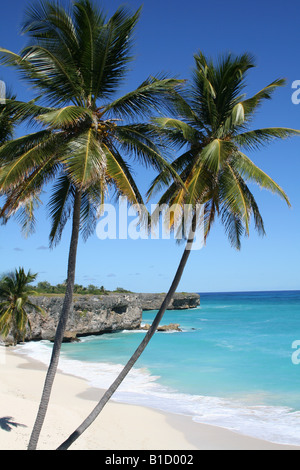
[45, 288]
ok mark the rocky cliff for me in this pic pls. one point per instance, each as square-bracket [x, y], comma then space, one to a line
[99, 314]
[180, 301]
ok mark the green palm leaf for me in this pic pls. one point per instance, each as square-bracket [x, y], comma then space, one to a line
[66, 117]
[84, 159]
[155, 94]
[30, 163]
[20, 156]
[249, 171]
[251, 105]
[119, 173]
[136, 140]
[60, 207]
[91, 201]
[255, 139]
[112, 53]
[216, 153]
[23, 111]
[189, 133]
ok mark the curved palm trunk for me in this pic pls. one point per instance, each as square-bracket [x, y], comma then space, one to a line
[96, 411]
[60, 328]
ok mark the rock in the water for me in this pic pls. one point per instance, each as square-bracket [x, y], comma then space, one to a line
[170, 327]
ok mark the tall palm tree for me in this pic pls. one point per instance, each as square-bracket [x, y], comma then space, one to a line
[15, 303]
[75, 61]
[212, 131]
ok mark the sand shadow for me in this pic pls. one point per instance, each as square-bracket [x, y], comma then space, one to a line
[7, 424]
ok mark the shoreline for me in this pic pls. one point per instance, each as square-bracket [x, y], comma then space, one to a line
[119, 426]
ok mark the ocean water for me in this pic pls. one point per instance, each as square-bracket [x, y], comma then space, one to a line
[233, 365]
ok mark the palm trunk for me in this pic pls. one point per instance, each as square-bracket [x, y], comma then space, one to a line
[68, 300]
[96, 411]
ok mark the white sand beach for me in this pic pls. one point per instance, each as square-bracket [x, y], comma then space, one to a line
[119, 427]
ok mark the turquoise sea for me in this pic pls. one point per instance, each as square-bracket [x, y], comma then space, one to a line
[235, 363]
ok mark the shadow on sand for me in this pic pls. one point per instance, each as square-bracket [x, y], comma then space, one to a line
[7, 424]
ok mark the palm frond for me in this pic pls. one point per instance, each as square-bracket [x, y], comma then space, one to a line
[21, 156]
[188, 132]
[119, 173]
[216, 153]
[154, 95]
[235, 197]
[25, 112]
[181, 165]
[255, 139]
[65, 117]
[25, 214]
[234, 227]
[91, 201]
[112, 53]
[251, 105]
[21, 196]
[249, 171]
[136, 140]
[60, 207]
[84, 159]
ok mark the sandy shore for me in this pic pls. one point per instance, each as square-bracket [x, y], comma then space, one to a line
[119, 427]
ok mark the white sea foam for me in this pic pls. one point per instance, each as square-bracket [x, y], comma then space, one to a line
[276, 424]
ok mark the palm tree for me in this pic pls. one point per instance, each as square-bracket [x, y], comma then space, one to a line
[15, 302]
[76, 61]
[212, 131]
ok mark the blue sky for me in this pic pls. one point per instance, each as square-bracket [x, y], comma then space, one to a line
[169, 33]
